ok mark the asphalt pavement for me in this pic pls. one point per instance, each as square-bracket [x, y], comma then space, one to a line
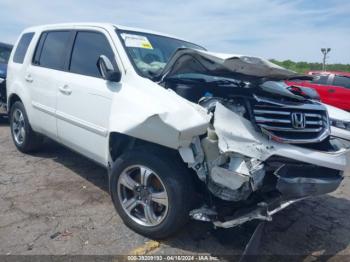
[56, 202]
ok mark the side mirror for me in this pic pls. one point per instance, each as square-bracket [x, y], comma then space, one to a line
[107, 69]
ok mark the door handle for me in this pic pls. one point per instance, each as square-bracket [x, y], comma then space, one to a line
[331, 90]
[65, 90]
[29, 78]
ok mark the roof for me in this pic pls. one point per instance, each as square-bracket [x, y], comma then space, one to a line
[101, 25]
[319, 72]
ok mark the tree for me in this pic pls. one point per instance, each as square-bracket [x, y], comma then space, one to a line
[302, 67]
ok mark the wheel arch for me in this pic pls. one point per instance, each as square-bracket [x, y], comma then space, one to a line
[121, 143]
[13, 98]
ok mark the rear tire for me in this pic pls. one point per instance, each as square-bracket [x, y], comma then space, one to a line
[24, 138]
[174, 182]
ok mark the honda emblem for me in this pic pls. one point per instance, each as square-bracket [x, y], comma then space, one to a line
[298, 120]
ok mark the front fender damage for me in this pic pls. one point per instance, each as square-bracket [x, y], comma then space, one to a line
[236, 134]
[170, 130]
[169, 120]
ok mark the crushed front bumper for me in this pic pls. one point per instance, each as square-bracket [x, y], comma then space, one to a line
[296, 172]
[294, 183]
[299, 181]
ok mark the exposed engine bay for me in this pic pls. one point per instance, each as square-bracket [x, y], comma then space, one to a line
[268, 144]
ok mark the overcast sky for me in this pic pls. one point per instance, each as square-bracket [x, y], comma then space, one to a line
[281, 29]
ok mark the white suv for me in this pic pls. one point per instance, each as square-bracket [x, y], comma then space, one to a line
[183, 132]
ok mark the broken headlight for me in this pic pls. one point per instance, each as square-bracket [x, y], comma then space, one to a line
[233, 104]
[340, 124]
[236, 106]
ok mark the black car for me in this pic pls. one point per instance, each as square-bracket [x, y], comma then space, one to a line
[5, 51]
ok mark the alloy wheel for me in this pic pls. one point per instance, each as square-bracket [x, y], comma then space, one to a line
[143, 195]
[18, 126]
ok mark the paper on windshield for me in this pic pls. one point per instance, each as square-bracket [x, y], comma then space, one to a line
[138, 41]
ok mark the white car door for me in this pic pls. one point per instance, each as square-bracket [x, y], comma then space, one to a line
[84, 98]
[42, 78]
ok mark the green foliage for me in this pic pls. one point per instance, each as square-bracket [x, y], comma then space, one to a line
[302, 67]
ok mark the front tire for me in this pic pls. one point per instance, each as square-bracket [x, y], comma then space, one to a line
[152, 192]
[24, 138]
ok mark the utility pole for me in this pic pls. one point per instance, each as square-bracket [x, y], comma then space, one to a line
[324, 51]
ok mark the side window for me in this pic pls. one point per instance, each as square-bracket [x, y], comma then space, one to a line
[320, 79]
[22, 47]
[342, 81]
[51, 49]
[38, 49]
[88, 47]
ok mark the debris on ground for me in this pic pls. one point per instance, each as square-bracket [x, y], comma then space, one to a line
[61, 236]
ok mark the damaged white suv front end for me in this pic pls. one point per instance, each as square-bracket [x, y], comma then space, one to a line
[267, 144]
[255, 144]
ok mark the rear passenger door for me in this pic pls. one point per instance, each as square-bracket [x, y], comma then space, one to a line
[84, 98]
[43, 76]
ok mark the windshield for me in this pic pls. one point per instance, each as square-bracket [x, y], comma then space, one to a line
[4, 54]
[150, 53]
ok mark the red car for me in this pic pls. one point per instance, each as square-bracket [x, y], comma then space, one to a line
[332, 86]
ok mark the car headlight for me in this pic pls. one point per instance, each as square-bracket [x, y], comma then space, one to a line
[1, 80]
[340, 124]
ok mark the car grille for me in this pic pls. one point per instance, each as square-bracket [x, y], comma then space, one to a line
[292, 124]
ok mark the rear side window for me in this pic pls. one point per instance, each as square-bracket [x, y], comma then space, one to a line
[342, 81]
[88, 47]
[51, 49]
[22, 47]
[320, 79]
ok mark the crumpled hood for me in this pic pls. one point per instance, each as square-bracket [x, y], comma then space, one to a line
[186, 60]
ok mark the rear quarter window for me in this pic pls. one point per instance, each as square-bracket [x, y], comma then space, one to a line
[22, 47]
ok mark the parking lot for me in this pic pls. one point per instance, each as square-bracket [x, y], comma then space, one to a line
[57, 202]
